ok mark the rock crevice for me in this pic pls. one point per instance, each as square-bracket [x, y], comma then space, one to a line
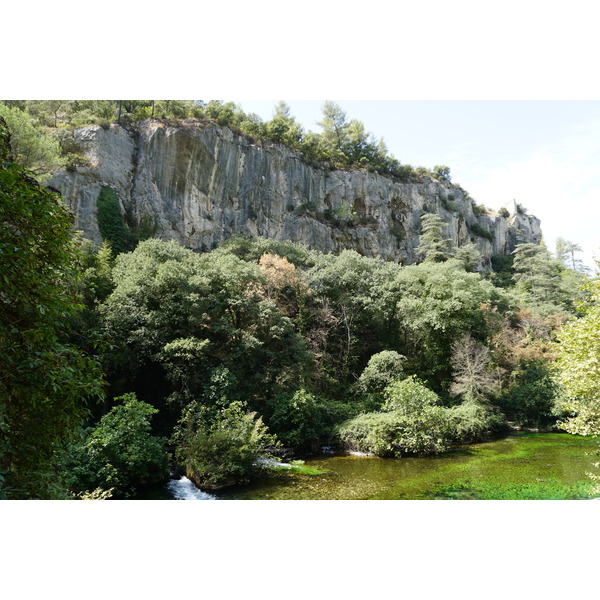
[200, 183]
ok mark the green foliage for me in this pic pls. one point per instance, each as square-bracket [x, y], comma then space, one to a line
[412, 423]
[44, 380]
[441, 172]
[408, 397]
[303, 421]
[433, 246]
[96, 271]
[111, 222]
[448, 203]
[534, 399]
[433, 304]
[538, 277]
[252, 249]
[348, 303]
[382, 368]
[119, 453]
[470, 421]
[182, 321]
[578, 367]
[398, 232]
[468, 256]
[478, 230]
[565, 253]
[306, 208]
[224, 446]
[503, 212]
[502, 270]
[30, 147]
[283, 127]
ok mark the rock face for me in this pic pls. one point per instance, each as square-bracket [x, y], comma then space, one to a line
[198, 183]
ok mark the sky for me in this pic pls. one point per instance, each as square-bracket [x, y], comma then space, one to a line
[545, 154]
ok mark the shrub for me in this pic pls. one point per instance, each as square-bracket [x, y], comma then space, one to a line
[110, 220]
[391, 434]
[448, 204]
[533, 401]
[307, 208]
[470, 421]
[479, 209]
[119, 453]
[398, 232]
[478, 230]
[303, 421]
[222, 447]
[503, 212]
[409, 397]
[411, 423]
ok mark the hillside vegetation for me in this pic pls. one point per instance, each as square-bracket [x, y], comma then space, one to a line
[118, 360]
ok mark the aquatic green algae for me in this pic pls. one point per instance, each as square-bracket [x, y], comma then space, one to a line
[521, 466]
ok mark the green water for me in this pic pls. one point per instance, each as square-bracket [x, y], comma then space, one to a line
[523, 466]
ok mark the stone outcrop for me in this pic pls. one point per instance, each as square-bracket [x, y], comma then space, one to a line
[199, 183]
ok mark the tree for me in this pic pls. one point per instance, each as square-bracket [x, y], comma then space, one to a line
[382, 369]
[223, 446]
[534, 399]
[44, 380]
[433, 246]
[30, 147]
[433, 304]
[283, 127]
[348, 300]
[303, 420]
[472, 376]
[181, 322]
[565, 252]
[335, 132]
[468, 256]
[119, 453]
[537, 275]
[578, 366]
[441, 172]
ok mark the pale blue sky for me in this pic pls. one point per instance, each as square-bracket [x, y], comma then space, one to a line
[543, 154]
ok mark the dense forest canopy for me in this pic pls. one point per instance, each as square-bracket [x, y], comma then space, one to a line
[122, 359]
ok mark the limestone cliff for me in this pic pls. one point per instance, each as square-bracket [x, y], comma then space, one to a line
[199, 183]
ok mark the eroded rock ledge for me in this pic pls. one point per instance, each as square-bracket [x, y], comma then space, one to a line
[199, 183]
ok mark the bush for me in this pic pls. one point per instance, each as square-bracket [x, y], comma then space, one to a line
[478, 230]
[391, 434]
[303, 421]
[110, 220]
[479, 209]
[222, 447]
[412, 423]
[409, 397]
[470, 421]
[533, 401]
[118, 453]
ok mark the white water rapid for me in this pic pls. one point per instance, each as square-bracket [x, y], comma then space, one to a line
[184, 489]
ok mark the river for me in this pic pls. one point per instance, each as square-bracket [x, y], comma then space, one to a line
[521, 465]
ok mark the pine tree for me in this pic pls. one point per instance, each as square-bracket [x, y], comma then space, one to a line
[536, 273]
[433, 246]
